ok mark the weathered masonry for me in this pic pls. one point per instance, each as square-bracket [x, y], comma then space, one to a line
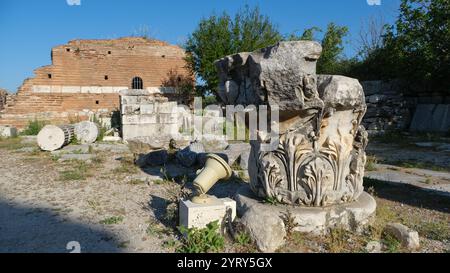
[85, 77]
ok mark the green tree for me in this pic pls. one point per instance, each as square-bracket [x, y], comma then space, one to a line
[416, 48]
[219, 36]
[332, 48]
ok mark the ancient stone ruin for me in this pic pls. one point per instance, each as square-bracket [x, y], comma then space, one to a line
[85, 78]
[320, 157]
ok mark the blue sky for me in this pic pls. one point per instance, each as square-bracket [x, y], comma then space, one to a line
[30, 28]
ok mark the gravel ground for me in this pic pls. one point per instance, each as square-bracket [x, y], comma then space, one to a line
[116, 207]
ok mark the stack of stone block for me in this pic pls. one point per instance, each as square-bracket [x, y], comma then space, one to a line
[147, 115]
[387, 109]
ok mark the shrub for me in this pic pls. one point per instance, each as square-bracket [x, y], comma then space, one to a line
[202, 240]
[34, 127]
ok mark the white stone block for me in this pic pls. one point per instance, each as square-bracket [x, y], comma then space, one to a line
[106, 89]
[199, 215]
[154, 90]
[130, 119]
[71, 89]
[6, 131]
[147, 109]
[147, 119]
[41, 89]
[56, 89]
[119, 88]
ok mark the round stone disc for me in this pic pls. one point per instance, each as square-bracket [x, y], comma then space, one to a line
[51, 138]
[86, 132]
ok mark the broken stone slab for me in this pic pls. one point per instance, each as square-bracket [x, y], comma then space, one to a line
[265, 228]
[28, 139]
[86, 132]
[189, 155]
[406, 236]
[80, 157]
[26, 150]
[70, 149]
[112, 139]
[243, 160]
[114, 148]
[351, 216]
[7, 131]
[235, 150]
[431, 118]
[155, 158]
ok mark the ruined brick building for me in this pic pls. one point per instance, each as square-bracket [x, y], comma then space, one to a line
[86, 76]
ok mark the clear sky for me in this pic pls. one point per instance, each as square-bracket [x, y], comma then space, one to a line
[30, 28]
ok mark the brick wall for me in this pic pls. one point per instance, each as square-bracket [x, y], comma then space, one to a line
[86, 75]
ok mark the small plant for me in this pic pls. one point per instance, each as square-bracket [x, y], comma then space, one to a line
[243, 239]
[428, 181]
[33, 127]
[392, 244]
[271, 200]
[371, 163]
[112, 220]
[203, 240]
[434, 230]
[289, 222]
[171, 243]
[126, 167]
[337, 240]
[371, 191]
[136, 182]
[123, 244]
[79, 171]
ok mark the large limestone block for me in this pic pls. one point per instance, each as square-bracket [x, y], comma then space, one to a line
[431, 118]
[267, 73]
[408, 237]
[265, 221]
[340, 92]
[6, 131]
[194, 215]
[265, 228]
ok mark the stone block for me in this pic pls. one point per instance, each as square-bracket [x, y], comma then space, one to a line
[6, 131]
[147, 109]
[431, 118]
[41, 89]
[71, 89]
[408, 237]
[56, 89]
[199, 215]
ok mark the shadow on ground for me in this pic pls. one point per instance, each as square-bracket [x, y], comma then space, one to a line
[40, 230]
[409, 194]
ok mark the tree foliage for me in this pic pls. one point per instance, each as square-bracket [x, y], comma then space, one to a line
[415, 49]
[219, 36]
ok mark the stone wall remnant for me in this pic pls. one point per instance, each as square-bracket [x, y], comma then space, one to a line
[145, 115]
[387, 108]
[86, 76]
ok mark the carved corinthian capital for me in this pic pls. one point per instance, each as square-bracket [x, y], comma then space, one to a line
[320, 156]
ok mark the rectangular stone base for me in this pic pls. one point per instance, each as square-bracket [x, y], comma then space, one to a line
[199, 215]
[6, 131]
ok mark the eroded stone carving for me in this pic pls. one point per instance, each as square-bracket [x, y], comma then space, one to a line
[320, 157]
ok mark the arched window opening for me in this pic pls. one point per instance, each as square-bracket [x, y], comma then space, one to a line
[137, 83]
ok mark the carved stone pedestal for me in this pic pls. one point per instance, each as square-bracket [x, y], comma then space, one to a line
[265, 223]
[316, 158]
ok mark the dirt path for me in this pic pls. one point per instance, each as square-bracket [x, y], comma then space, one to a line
[109, 211]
